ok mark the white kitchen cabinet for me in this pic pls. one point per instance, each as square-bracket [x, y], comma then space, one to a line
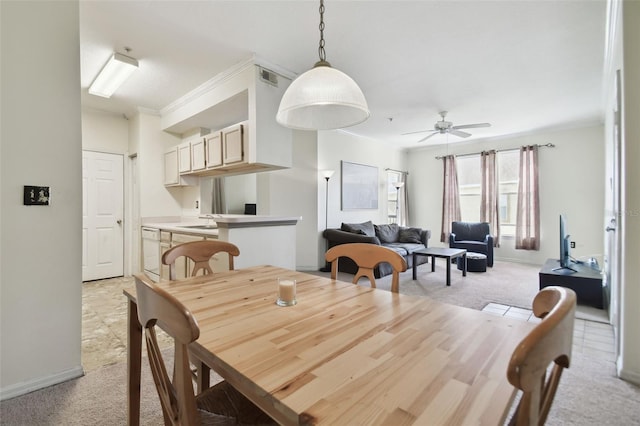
[172, 176]
[184, 265]
[233, 144]
[214, 150]
[184, 157]
[165, 244]
[244, 97]
[198, 155]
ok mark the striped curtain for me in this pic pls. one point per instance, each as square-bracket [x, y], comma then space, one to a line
[450, 197]
[489, 199]
[528, 214]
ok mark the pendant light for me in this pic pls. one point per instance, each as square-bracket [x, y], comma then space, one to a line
[322, 98]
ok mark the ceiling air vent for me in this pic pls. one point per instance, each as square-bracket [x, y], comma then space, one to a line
[269, 77]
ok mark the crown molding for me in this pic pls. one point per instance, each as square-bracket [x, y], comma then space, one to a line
[224, 76]
[207, 86]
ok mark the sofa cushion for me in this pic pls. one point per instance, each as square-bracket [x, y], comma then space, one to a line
[407, 248]
[398, 248]
[387, 233]
[410, 235]
[364, 228]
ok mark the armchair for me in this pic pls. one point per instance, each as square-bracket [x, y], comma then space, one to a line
[473, 236]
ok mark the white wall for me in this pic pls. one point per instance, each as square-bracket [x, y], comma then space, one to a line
[40, 314]
[571, 179]
[291, 192]
[105, 132]
[335, 146]
[151, 143]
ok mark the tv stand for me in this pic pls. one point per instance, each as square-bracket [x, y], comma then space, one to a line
[564, 270]
[584, 280]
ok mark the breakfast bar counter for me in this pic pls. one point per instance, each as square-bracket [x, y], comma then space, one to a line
[262, 239]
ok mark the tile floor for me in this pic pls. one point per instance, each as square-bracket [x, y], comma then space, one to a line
[589, 337]
[104, 326]
[104, 323]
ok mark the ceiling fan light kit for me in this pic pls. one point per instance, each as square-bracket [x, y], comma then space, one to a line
[445, 127]
[322, 98]
[116, 71]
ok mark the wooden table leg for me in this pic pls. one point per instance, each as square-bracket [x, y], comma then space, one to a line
[134, 361]
[433, 263]
[415, 265]
[448, 270]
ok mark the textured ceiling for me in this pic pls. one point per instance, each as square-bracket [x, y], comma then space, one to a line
[520, 65]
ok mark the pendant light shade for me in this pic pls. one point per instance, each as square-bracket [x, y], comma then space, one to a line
[322, 98]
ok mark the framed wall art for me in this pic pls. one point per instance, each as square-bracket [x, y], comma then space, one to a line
[359, 186]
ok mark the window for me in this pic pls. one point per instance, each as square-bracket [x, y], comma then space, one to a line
[469, 186]
[392, 195]
[508, 166]
[469, 178]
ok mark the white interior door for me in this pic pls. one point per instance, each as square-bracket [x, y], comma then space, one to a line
[134, 218]
[102, 213]
[613, 244]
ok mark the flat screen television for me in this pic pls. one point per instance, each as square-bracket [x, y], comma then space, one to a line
[565, 245]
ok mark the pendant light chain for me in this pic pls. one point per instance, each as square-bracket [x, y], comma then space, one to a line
[322, 98]
[321, 52]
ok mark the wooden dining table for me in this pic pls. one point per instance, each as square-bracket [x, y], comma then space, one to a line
[345, 354]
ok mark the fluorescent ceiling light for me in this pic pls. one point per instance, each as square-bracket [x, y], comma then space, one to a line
[115, 72]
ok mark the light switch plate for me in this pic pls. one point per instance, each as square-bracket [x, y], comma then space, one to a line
[36, 195]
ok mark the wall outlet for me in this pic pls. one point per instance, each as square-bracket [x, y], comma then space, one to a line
[573, 244]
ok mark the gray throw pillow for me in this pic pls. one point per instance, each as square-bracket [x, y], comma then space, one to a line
[365, 228]
[387, 233]
[410, 235]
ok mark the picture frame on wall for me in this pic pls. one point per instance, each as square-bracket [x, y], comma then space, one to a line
[359, 186]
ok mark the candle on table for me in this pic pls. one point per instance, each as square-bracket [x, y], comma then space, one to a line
[286, 291]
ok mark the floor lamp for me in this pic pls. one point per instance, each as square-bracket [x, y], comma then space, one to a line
[327, 175]
[398, 185]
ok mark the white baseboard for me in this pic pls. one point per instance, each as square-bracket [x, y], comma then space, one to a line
[626, 375]
[23, 388]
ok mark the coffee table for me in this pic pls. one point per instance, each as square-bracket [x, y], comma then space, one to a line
[446, 253]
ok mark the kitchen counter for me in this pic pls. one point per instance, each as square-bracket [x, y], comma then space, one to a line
[262, 240]
[209, 227]
[189, 227]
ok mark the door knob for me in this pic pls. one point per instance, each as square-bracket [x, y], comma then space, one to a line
[610, 228]
[119, 221]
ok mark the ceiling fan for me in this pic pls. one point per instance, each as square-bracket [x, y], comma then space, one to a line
[443, 127]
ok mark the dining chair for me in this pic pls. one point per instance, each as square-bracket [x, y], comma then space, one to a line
[200, 252]
[549, 343]
[220, 404]
[367, 257]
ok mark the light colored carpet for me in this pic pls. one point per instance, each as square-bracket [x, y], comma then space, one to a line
[589, 392]
[512, 284]
[507, 283]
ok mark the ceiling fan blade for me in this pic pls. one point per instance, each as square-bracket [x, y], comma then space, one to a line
[459, 133]
[419, 131]
[471, 126]
[427, 137]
